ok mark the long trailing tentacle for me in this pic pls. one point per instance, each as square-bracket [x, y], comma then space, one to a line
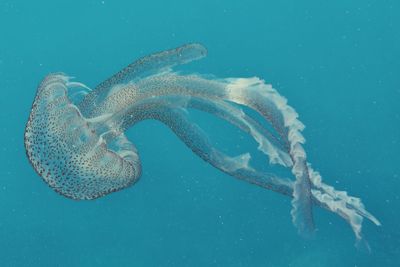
[250, 92]
[256, 94]
[170, 112]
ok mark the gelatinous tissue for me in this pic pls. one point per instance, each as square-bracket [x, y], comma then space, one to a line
[75, 137]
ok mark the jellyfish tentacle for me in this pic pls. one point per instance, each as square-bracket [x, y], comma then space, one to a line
[124, 96]
[255, 94]
[351, 202]
[267, 143]
[348, 207]
[195, 138]
[251, 92]
[188, 131]
[148, 65]
[171, 114]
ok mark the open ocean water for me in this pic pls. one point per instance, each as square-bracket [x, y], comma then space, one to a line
[337, 63]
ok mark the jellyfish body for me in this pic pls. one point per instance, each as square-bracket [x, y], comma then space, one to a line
[79, 148]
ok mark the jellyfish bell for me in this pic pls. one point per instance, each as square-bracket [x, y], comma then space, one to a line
[69, 153]
[76, 147]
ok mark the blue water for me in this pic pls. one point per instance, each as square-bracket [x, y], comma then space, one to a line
[336, 61]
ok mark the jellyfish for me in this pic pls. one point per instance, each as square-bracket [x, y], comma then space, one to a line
[75, 140]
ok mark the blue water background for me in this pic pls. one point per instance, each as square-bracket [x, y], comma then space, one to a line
[336, 61]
